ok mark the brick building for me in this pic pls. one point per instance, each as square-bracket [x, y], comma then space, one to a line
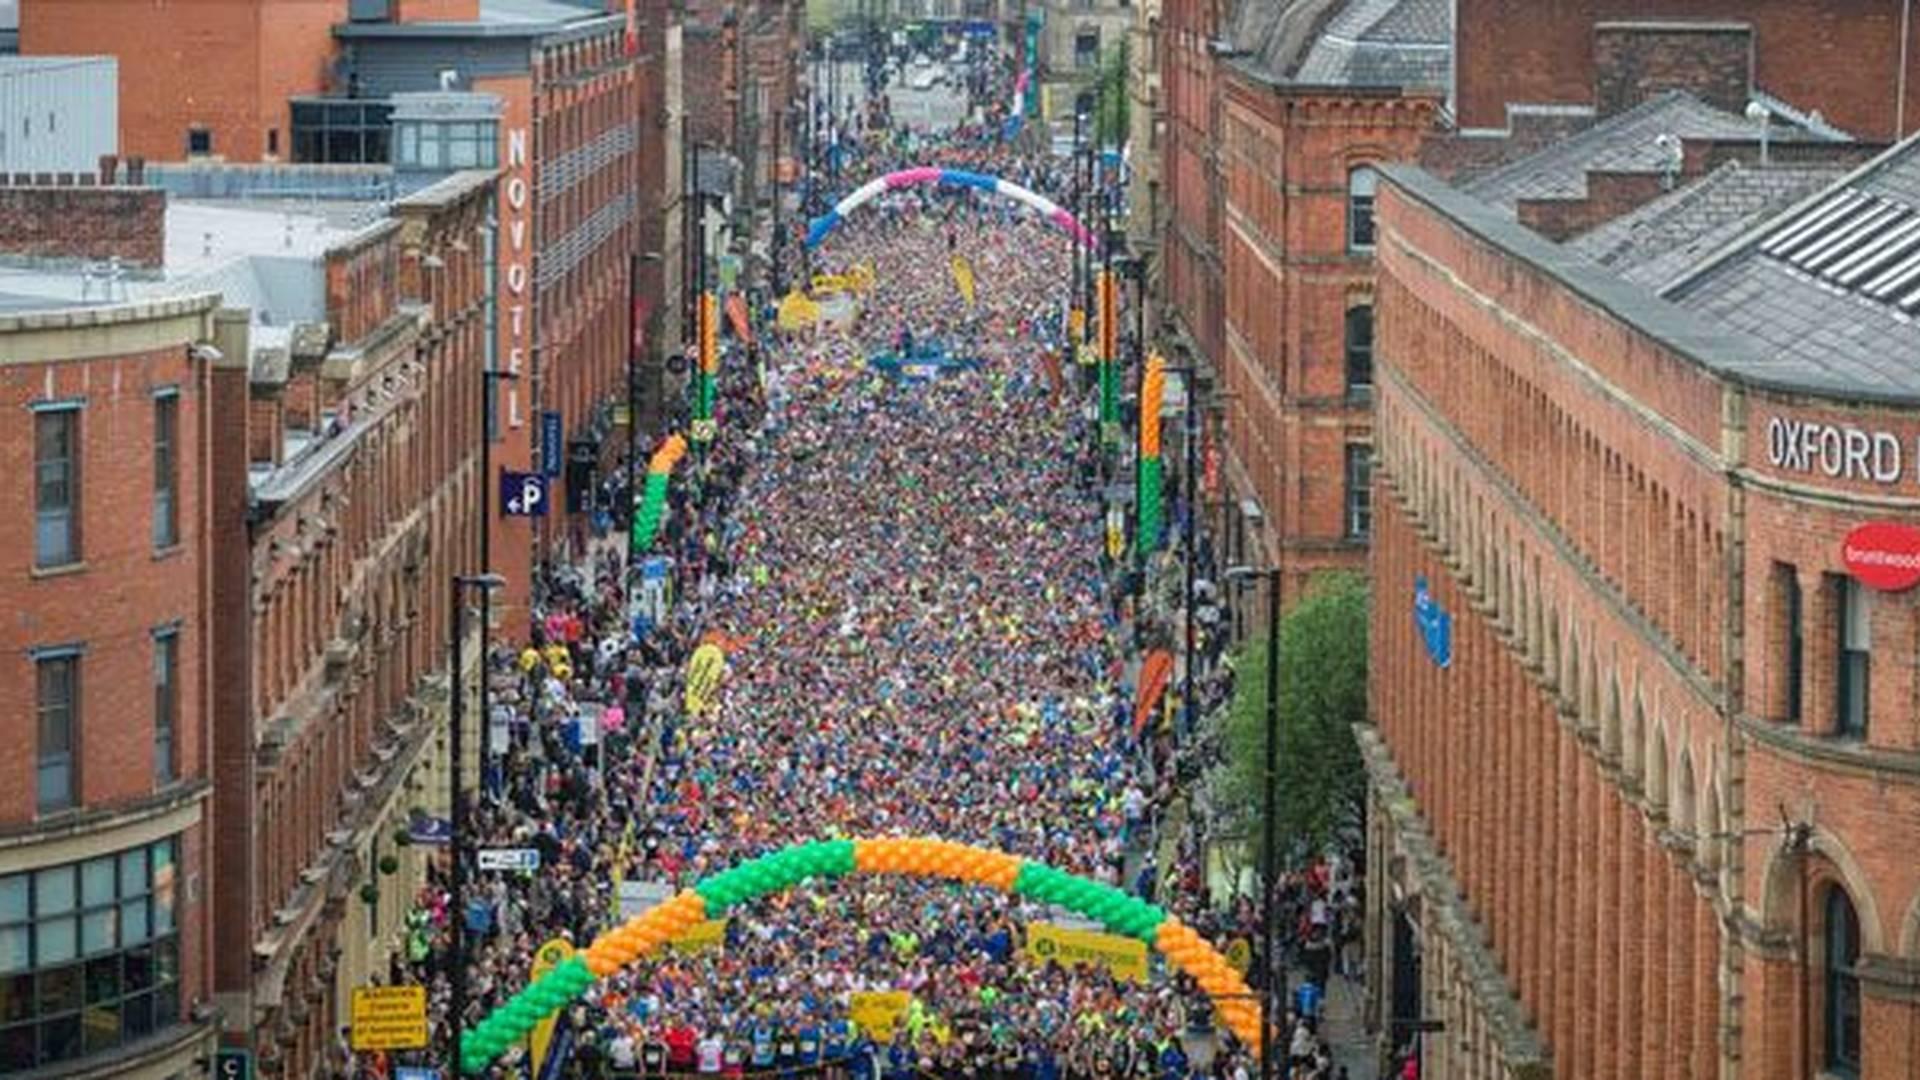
[247, 60]
[357, 501]
[1642, 758]
[568, 141]
[1276, 121]
[308, 537]
[1837, 56]
[106, 877]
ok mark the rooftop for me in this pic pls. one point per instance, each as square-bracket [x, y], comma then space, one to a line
[498, 18]
[1628, 142]
[1659, 242]
[1747, 316]
[1359, 43]
[1833, 285]
[261, 255]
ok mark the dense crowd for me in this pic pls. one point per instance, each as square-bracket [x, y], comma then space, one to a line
[921, 639]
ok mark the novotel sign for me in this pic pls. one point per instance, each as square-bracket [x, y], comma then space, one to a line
[1836, 451]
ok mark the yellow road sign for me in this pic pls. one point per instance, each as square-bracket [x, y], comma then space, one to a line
[389, 1017]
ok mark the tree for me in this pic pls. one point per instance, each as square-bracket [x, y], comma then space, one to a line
[1110, 95]
[1323, 693]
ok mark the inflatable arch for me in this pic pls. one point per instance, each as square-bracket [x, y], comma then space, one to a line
[928, 174]
[1120, 912]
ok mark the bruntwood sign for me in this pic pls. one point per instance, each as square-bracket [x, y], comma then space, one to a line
[1883, 555]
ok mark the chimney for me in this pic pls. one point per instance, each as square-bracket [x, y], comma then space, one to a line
[109, 169]
[137, 171]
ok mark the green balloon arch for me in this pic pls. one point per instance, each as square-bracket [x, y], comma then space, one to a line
[1120, 912]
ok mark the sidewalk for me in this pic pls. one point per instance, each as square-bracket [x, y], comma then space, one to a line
[1345, 1030]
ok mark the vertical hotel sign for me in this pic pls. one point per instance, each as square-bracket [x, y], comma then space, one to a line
[516, 272]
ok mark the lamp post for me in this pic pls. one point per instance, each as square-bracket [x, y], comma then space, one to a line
[1273, 983]
[457, 796]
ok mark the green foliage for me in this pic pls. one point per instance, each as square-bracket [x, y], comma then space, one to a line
[1323, 693]
[1112, 103]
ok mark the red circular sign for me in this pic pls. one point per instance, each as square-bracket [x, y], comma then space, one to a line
[1883, 555]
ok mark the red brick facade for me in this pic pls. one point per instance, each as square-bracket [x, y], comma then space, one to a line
[102, 612]
[345, 577]
[245, 60]
[1579, 816]
[92, 223]
[1838, 56]
[1299, 298]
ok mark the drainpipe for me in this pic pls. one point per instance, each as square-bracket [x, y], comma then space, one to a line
[1900, 80]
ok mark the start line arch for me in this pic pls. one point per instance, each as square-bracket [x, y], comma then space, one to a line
[1120, 912]
[818, 229]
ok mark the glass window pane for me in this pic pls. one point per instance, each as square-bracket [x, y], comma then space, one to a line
[166, 961]
[13, 898]
[166, 1005]
[16, 998]
[138, 968]
[97, 931]
[96, 882]
[101, 1025]
[16, 1043]
[409, 152]
[53, 890]
[56, 940]
[60, 1039]
[133, 872]
[133, 920]
[429, 146]
[462, 153]
[136, 1016]
[59, 989]
[103, 979]
[15, 948]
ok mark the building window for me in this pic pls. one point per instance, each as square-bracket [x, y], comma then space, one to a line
[1360, 352]
[199, 141]
[1360, 187]
[1359, 491]
[58, 706]
[273, 141]
[342, 131]
[1856, 642]
[1787, 600]
[89, 955]
[1086, 48]
[166, 704]
[1842, 984]
[166, 423]
[56, 482]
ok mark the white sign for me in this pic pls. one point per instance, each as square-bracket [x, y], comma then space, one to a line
[525, 859]
[1838, 451]
[639, 897]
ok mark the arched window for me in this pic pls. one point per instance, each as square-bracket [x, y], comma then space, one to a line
[1360, 187]
[1842, 984]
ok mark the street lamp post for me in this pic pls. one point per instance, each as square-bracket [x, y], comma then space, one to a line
[457, 797]
[1273, 985]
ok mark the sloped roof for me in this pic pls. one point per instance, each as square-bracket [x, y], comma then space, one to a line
[1662, 240]
[1832, 287]
[1623, 143]
[1373, 43]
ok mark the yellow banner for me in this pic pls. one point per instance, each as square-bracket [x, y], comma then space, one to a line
[703, 677]
[702, 936]
[389, 1017]
[963, 278]
[797, 312]
[550, 956]
[878, 1012]
[1123, 956]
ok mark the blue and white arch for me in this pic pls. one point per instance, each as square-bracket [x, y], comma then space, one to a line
[818, 229]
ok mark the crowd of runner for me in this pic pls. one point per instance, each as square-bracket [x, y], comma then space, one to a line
[905, 573]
